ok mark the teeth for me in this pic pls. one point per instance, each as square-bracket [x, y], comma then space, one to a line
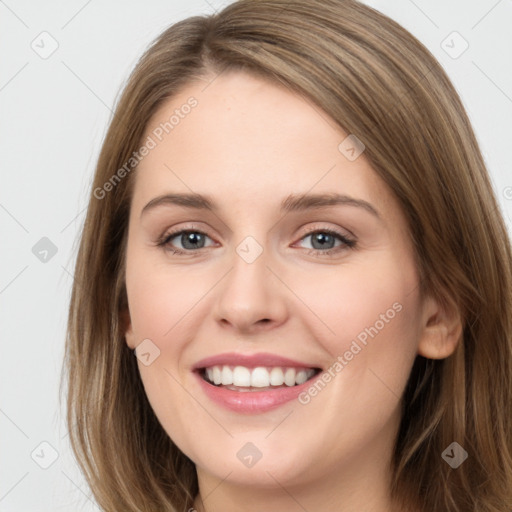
[301, 377]
[217, 375]
[241, 376]
[259, 377]
[227, 375]
[276, 377]
[289, 377]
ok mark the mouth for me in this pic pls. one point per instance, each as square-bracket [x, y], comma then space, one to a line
[253, 383]
[260, 378]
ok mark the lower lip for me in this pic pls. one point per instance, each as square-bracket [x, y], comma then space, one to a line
[251, 402]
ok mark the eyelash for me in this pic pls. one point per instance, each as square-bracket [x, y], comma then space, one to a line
[347, 242]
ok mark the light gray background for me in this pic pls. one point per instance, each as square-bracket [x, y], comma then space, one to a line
[54, 114]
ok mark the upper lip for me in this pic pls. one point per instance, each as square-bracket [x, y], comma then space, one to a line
[250, 361]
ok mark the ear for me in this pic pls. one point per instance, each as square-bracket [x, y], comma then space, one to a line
[441, 329]
[126, 326]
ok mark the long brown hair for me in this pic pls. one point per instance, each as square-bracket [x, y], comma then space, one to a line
[375, 80]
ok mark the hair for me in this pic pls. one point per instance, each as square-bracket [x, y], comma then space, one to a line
[377, 81]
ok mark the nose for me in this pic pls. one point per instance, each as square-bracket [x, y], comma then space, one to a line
[251, 298]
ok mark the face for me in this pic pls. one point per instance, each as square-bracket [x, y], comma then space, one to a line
[303, 311]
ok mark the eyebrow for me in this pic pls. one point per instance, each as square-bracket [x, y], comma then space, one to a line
[293, 203]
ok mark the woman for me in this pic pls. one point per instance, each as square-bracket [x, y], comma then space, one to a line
[214, 361]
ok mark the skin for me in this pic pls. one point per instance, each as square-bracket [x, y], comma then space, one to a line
[249, 144]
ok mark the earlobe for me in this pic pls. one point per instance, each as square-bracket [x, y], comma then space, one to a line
[441, 329]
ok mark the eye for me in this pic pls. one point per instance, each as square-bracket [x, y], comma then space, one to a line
[323, 242]
[188, 238]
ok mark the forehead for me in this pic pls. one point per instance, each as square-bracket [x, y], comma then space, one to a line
[249, 138]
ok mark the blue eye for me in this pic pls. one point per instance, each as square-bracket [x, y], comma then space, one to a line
[325, 237]
[192, 239]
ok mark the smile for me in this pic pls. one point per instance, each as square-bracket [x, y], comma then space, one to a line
[253, 383]
[242, 378]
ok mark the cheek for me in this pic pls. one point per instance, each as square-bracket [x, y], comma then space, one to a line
[160, 298]
[164, 306]
[366, 319]
[367, 314]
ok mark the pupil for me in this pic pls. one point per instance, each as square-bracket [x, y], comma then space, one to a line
[322, 239]
[192, 238]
